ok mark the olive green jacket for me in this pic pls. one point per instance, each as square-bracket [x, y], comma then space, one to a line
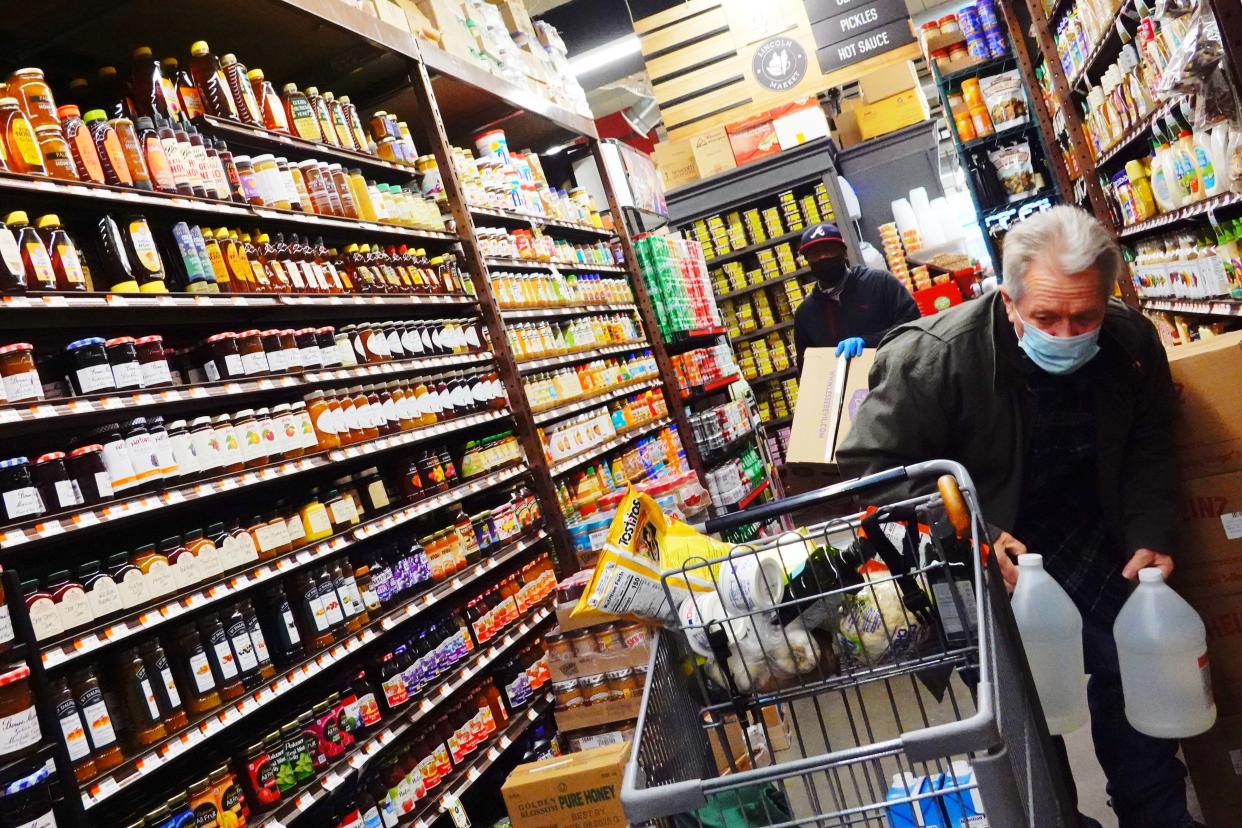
[951, 386]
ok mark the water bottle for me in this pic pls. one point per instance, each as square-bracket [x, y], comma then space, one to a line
[1162, 647]
[1051, 630]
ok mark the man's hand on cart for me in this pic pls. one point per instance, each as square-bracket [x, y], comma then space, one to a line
[850, 348]
[1007, 548]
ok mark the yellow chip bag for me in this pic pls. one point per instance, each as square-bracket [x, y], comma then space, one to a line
[642, 545]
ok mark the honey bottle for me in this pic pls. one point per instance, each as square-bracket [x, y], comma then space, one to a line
[270, 106]
[21, 146]
[193, 171]
[323, 116]
[63, 253]
[127, 134]
[151, 92]
[39, 273]
[108, 145]
[174, 154]
[254, 262]
[240, 90]
[187, 93]
[81, 144]
[143, 253]
[355, 125]
[109, 93]
[299, 114]
[213, 87]
[158, 166]
[240, 279]
[339, 124]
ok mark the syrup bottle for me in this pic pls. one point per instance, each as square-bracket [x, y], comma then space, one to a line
[240, 90]
[213, 87]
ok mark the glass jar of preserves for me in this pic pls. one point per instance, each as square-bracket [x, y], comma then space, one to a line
[18, 495]
[567, 695]
[19, 723]
[90, 474]
[253, 357]
[20, 377]
[152, 362]
[88, 367]
[273, 351]
[326, 339]
[56, 488]
[123, 360]
[223, 358]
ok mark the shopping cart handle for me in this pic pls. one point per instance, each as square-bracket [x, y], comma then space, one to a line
[791, 504]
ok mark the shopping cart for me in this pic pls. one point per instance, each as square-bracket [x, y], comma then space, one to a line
[927, 717]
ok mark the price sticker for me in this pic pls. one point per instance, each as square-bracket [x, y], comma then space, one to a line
[302, 802]
[451, 805]
[331, 781]
[105, 788]
[49, 528]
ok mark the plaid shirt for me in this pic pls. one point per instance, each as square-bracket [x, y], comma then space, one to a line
[1060, 516]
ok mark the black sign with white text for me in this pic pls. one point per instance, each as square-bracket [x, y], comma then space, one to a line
[856, 20]
[863, 45]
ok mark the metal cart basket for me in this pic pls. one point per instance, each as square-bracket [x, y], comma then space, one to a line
[797, 692]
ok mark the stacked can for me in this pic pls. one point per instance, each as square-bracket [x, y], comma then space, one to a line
[993, 36]
[976, 43]
[717, 427]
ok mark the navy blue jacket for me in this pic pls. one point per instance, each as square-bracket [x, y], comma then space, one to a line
[871, 303]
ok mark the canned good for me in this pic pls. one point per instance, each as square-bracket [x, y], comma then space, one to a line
[997, 45]
[987, 14]
[968, 20]
[977, 46]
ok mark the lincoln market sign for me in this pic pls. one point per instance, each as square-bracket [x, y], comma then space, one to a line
[848, 31]
[779, 63]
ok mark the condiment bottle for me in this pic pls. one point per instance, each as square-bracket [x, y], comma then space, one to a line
[224, 666]
[159, 166]
[269, 103]
[189, 159]
[129, 580]
[99, 728]
[187, 92]
[240, 91]
[40, 275]
[21, 145]
[167, 696]
[138, 698]
[57, 157]
[152, 93]
[212, 85]
[111, 152]
[73, 730]
[127, 134]
[243, 646]
[302, 118]
[44, 615]
[198, 156]
[286, 643]
[310, 612]
[140, 247]
[323, 117]
[193, 666]
[63, 254]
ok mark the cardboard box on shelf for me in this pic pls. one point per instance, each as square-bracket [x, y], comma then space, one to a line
[1214, 760]
[674, 161]
[1222, 616]
[712, 152]
[600, 713]
[1208, 379]
[449, 18]
[845, 124]
[516, 17]
[891, 80]
[389, 11]
[1211, 519]
[593, 665]
[799, 122]
[892, 113]
[578, 789]
[753, 138]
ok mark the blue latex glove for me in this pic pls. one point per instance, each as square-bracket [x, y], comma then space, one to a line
[850, 348]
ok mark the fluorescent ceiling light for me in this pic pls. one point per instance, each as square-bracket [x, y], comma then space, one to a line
[601, 56]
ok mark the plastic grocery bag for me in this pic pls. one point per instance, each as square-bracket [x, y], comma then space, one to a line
[642, 545]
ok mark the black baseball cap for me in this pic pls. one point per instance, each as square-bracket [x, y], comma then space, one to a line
[818, 233]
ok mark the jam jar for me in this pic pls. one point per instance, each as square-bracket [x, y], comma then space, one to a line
[56, 488]
[273, 352]
[88, 368]
[123, 359]
[253, 357]
[18, 494]
[86, 468]
[152, 362]
[222, 358]
[20, 735]
[17, 368]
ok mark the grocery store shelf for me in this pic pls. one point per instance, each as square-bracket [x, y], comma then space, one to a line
[57, 303]
[777, 280]
[710, 388]
[76, 522]
[621, 439]
[791, 371]
[753, 248]
[998, 137]
[1047, 193]
[1108, 34]
[611, 393]
[109, 784]
[761, 332]
[80, 408]
[1132, 136]
[778, 422]
[526, 264]
[107, 197]
[526, 366]
[730, 448]
[977, 69]
[1198, 307]
[754, 493]
[1177, 217]
[465, 776]
[685, 340]
[574, 310]
[253, 136]
[394, 728]
[515, 217]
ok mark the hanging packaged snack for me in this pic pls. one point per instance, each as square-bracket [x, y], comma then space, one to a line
[1005, 99]
[1015, 170]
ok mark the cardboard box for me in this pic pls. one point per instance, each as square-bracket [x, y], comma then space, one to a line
[891, 80]
[600, 713]
[774, 729]
[1222, 616]
[752, 139]
[1212, 519]
[830, 390]
[1215, 763]
[674, 161]
[845, 124]
[1208, 379]
[581, 789]
[449, 18]
[712, 152]
[1195, 580]
[390, 12]
[799, 122]
[892, 113]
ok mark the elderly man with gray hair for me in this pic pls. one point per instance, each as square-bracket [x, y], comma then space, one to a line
[1058, 400]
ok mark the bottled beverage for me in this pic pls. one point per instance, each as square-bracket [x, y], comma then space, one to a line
[1162, 648]
[1051, 630]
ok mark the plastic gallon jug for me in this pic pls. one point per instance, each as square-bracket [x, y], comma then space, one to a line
[1162, 646]
[1051, 630]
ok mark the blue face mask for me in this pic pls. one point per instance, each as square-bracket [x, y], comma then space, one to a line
[1058, 354]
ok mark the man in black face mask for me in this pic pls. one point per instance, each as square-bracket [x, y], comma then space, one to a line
[852, 306]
